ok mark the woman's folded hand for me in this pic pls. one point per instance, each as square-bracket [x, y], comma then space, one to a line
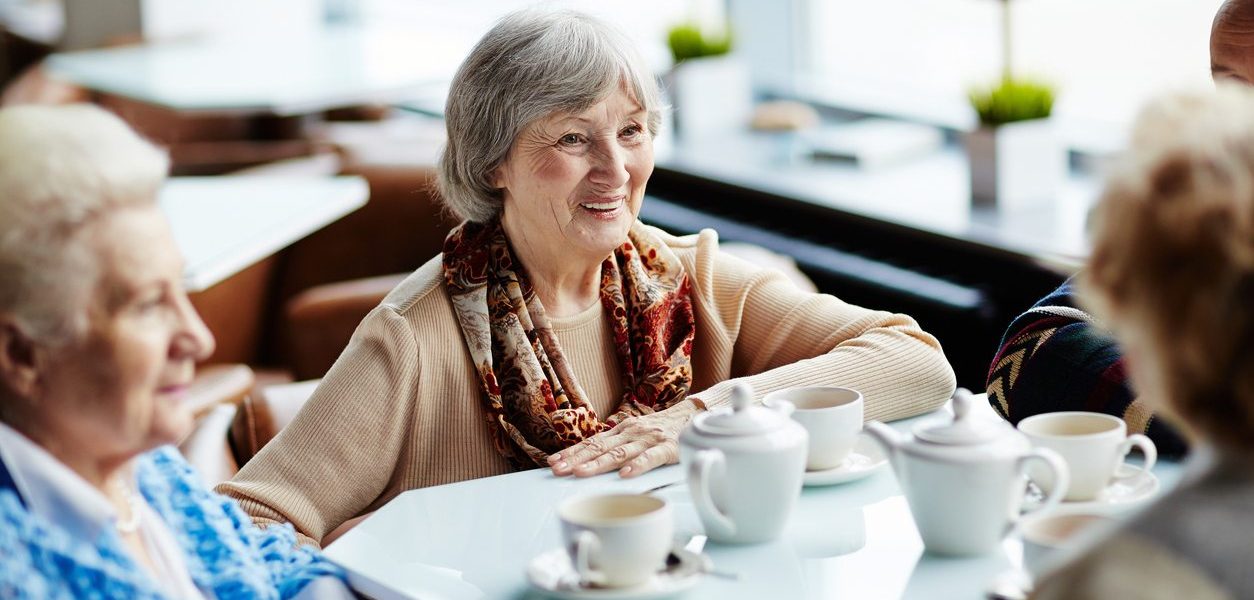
[637, 445]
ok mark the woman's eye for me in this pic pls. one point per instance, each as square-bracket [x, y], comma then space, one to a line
[570, 139]
[151, 303]
[631, 131]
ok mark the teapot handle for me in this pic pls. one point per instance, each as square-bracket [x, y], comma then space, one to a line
[1062, 479]
[699, 483]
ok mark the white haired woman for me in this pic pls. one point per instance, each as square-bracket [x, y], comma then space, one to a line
[98, 343]
[1172, 273]
[556, 330]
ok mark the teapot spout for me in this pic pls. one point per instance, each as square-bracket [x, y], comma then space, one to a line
[890, 439]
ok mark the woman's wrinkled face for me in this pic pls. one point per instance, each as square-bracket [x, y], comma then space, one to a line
[119, 386]
[573, 183]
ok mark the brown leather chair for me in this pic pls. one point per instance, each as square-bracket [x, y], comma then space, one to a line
[262, 415]
[320, 321]
[34, 86]
[398, 230]
[228, 434]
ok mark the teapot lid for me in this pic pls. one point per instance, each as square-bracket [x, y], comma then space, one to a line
[966, 427]
[744, 418]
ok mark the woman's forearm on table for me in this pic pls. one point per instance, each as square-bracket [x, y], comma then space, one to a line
[785, 337]
[897, 375]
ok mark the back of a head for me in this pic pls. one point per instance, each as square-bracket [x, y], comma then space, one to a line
[72, 160]
[1232, 42]
[1235, 14]
[61, 167]
[1172, 268]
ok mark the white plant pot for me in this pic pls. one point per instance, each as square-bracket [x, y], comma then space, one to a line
[1016, 165]
[710, 94]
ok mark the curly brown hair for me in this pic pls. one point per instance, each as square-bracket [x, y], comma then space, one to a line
[1172, 268]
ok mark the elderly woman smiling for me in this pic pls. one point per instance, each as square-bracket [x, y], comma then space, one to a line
[98, 343]
[556, 330]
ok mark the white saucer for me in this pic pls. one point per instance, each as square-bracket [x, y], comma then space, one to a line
[1134, 487]
[865, 459]
[552, 573]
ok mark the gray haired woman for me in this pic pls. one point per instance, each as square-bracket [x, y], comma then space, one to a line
[98, 343]
[556, 330]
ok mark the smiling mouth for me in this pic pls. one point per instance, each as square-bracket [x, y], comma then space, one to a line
[603, 205]
[176, 390]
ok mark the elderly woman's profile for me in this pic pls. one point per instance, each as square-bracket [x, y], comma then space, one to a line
[556, 330]
[98, 343]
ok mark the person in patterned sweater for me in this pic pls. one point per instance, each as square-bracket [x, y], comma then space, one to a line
[1054, 357]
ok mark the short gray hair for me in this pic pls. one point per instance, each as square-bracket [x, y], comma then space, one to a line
[62, 168]
[532, 64]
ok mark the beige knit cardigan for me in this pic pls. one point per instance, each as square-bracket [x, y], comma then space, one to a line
[401, 408]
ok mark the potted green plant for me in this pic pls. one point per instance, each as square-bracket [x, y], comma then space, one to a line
[687, 41]
[709, 87]
[1014, 155]
[1012, 101]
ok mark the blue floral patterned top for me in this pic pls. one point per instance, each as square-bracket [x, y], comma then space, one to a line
[225, 553]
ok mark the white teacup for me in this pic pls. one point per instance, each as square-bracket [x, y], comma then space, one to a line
[1048, 537]
[1094, 446]
[617, 540]
[831, 415]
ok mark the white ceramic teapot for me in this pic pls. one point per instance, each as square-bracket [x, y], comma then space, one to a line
[965, 479]
[745, 468]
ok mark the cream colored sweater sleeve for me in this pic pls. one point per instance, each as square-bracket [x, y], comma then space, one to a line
[350, 430]
[784, 337]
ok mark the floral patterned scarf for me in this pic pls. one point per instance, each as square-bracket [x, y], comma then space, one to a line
[534, 405]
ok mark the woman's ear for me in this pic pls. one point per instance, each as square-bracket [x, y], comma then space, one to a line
[19, 363]
[499, 177]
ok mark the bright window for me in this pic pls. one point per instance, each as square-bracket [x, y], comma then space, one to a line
[918, 57]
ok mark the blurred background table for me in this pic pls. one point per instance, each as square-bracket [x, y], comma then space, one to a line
[284, 73]
[229, 101]
[223, 225]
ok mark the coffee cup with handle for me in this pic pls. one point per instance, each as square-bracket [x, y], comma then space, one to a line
[831, 415]
[1094, 446]
[617, 540]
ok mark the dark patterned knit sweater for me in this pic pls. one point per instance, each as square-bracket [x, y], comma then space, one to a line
[1054, 358]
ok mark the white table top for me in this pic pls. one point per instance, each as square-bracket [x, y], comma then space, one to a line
[225, 224]
[474, 539]
[285, 73]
